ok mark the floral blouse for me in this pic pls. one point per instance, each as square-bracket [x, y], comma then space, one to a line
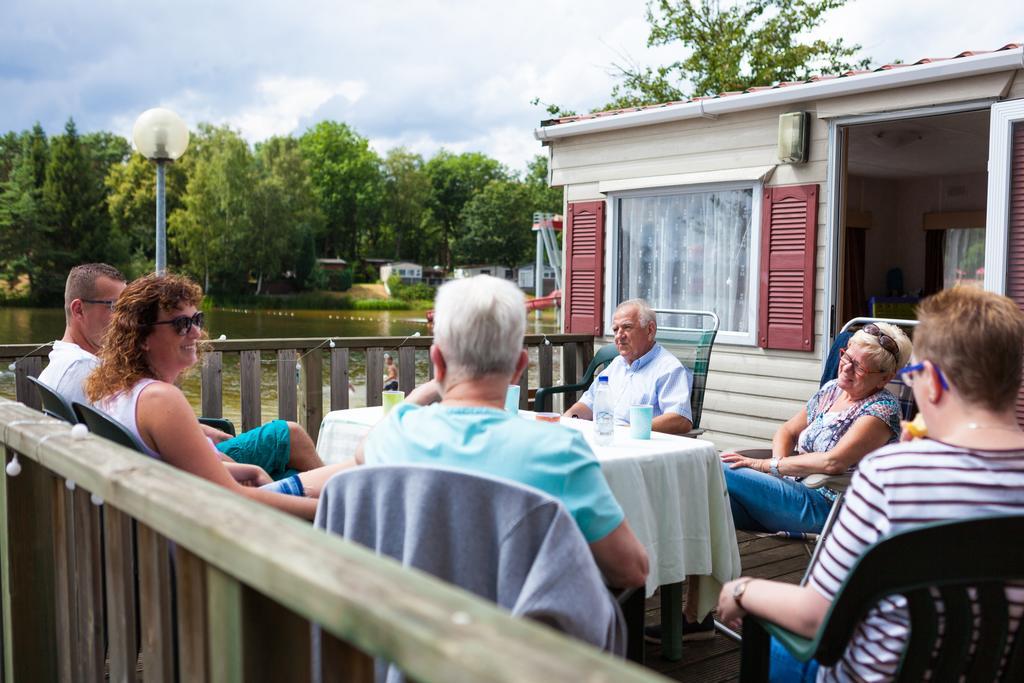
[824, 429]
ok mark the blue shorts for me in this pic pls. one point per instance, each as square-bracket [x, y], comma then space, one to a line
[292, 486]
[268, 446]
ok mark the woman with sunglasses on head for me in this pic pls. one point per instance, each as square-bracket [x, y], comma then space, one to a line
[966, 373]
[845, 420]
[153, 339]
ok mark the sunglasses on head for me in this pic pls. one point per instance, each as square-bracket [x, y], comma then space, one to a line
[183, 323]
[884, 340]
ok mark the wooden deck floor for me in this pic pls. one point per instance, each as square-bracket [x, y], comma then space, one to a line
[718, 659]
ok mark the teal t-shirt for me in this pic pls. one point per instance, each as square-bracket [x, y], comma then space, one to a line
[546, 456]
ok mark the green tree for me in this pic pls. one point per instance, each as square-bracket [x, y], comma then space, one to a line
[544, 197]
[406, 193]
[39, 153]
[347, 180]
[10, 153]
[283, 209]
[131, 205]
[26, 239]
[746, 43]
[73, 203]
[496, 225]
[210, 230]
[454, 180]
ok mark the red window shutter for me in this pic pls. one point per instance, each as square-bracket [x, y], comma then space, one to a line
[584, 258]
[789, 221]
[1015, 237]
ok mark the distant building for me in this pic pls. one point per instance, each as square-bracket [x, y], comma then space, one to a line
[332, 263]
[434, 276]
[526, 282]
[503, 272]
[410, 273]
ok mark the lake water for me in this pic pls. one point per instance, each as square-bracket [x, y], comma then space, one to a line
[42, 325]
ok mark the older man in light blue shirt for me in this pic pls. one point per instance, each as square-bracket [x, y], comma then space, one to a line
[645, 373]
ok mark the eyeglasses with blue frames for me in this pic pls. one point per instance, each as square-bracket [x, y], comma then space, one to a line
[183, 323]
[906, 371]
[105, 302]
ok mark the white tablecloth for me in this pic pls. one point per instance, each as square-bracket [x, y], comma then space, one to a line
[671, 489]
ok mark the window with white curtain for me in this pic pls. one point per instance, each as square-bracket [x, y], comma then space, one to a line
[964, 258]
[690, 249]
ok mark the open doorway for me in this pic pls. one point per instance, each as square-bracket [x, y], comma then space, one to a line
[912, 213]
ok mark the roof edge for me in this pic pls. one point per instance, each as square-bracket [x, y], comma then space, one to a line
[968, 65]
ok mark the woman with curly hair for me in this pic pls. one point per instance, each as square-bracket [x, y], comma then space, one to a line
[153, 339]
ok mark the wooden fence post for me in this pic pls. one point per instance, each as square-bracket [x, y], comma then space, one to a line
[287, 398]
[27, 573]
[252, 406]
[312, 392]
[212, 385]
[339, 378]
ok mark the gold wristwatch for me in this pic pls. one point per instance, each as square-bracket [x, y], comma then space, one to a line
[738, 590]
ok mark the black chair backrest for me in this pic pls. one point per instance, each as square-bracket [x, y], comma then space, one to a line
[971, 561]
[223, 424]
[101, 424]
[54, 404]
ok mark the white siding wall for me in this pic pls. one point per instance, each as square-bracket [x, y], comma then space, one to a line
[750, 390]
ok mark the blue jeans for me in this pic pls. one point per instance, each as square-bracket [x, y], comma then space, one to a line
[761, 502]
[785, 668]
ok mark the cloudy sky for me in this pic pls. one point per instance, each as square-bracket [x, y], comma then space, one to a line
[458, 74]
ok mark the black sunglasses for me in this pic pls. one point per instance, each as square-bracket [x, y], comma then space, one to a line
[183, 323]
[106, 302]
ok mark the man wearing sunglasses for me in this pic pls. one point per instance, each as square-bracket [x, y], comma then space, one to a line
[89, 295]
[280, 448]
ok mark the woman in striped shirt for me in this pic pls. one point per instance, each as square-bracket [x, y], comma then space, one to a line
[965, 375]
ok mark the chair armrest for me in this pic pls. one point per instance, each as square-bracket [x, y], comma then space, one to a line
[544, 392]
[220, 423]
[800, 647]
[694, 433]
[836, 482]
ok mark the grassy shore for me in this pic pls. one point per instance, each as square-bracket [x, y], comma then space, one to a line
[361, 297]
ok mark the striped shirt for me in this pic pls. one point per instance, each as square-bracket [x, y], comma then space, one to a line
[896, 488]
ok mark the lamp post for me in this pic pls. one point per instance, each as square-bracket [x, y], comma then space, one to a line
[161, 136]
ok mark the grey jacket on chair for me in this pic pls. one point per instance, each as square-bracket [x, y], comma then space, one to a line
[506, 542]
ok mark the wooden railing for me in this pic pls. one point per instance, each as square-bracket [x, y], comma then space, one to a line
[304, 401]
[226, 588]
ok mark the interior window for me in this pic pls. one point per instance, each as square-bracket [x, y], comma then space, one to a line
[689, 250]
[964, 258]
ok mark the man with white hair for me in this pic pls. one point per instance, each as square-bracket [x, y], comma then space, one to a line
[645, 373]
[458, 420]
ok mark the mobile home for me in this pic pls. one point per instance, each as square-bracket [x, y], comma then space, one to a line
[792, 208]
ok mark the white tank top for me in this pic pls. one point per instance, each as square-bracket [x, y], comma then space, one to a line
[122, 406]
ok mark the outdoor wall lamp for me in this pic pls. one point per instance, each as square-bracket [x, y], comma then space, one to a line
[161, 136]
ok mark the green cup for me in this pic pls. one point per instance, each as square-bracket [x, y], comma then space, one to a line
[640, 421]
[390, 399]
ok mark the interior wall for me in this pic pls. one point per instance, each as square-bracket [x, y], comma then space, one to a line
[896, 238]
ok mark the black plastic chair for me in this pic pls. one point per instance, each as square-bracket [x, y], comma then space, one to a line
[101, 424]
[220, 423]
[54, 404]
[980, 556]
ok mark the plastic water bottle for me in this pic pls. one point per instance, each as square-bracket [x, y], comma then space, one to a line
[604, 420]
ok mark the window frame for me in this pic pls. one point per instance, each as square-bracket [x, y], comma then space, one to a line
[611, 281]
